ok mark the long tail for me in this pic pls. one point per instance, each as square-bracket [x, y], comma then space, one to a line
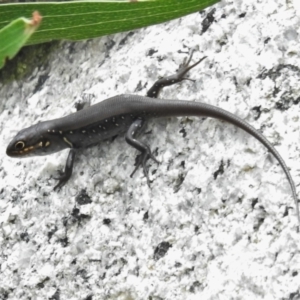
[163, 108]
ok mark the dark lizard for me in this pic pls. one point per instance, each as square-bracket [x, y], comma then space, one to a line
[124, 114]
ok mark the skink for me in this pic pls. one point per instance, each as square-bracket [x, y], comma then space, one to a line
[124, 114]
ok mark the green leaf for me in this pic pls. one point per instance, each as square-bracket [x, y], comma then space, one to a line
[88, 19]
[15, 35]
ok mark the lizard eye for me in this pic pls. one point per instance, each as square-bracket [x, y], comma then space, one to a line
[19, 145]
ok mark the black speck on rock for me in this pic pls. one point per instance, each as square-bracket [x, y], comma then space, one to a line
[51, 232]
[209, 19]
[76, 217]
[150, 52]
[75, 212]
[41, 284]
[234, 79]
[64, 242]
[286, 212]
[275, 91]
[257, 109]
[83, 198]
[106, 221]
[161, 250]
[198, 190]
[179, 181]
[183, 131]
[154, 172]
[248, 81]
[146, 216]
[24, 236]
[254, 202]
[42, 79]
[220, 171]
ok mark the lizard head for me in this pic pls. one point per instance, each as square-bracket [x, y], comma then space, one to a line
[34, 141]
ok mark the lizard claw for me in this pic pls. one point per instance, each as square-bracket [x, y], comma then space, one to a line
[62, 179]
[141, 160]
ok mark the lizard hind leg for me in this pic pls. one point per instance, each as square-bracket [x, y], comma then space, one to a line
[145, 154]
